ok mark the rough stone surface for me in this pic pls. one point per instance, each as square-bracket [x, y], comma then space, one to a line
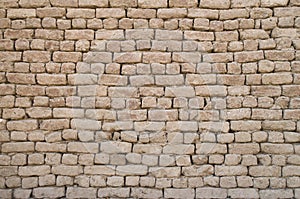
[149, 99]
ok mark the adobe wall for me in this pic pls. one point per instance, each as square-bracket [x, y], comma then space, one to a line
[149, 98]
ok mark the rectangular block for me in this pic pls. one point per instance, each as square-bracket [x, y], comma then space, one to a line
[110, 12]
[79, 34]
[21, 13]
[153, 4]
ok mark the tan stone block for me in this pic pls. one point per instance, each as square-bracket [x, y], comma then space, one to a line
[128, 57]
[14, 113]
[208, 192]
[269, 148]
[179, 193]
[50, 12]
[274, 3]
[93, 3]
[262, 114]
[49, 192]
[156, 57]
[151, 4]
[254, 34]
[34, 170]
[215, 4]
[245, 148]
[49, 34]
[276, 55]
[132, 170]
[10, 56]
[110, 13]
[21, 13]
[79, 34]
[113, 192]
[218, 57]
[67, 56]
[79, 192]
[230, 170]
[264, 171]
[250, 56]
[284, 125]
[266, 91]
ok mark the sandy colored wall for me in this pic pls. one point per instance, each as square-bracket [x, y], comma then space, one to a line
[149, 98]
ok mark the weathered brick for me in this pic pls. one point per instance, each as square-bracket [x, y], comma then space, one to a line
[49, 192]
[66, 56]
[151, 4]
[110, 12]
[66, 3]
[79, 34]
[50, 12]
[215, 4]
[79, 192]
[34, 170]
[93, 3]
[21, 13]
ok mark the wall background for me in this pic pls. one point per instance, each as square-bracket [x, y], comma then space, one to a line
[149, 99]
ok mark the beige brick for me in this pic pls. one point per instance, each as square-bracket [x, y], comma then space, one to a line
[151, 4]
[54, 124]
[113, 192]
[203, 13]
[128, 57]
[263, 114]
[79, 192]
[21, 13]
[34, 170]
[210, 192]
[79, 34]
[99, 170]
[83, 147]
[168, 80]
[250, 56]
[93, 3]
[156, 57]
[218, 57]
[139, 34]
[233, 14]
[243, 193]
[211, 91]
[179, 193]
[266, 91]
[277, 148]
[264, 171]
[284, 193]
[278, 78]
[132, 170]
[50, 12]
[274, 3]
[10, 56]
[198, 36]
[66, 56]
[254, 34]
[230, 170]
[291, 90]
[242, 4]
[279, 55]
[51, 79]
[171, 13]
[245, 148]
[51, 192]
[22, 125]
[18, 147]
[290, 171]
[110, 12]
[80, 13]
[279, 125]
[115, 147]
[67, 3]
[141, 13]
[227, 36]
[215, 4]
[49, 34]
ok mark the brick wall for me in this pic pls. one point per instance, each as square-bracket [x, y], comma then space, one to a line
[149, 98]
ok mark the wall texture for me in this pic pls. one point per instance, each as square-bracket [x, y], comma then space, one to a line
[150, 98]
